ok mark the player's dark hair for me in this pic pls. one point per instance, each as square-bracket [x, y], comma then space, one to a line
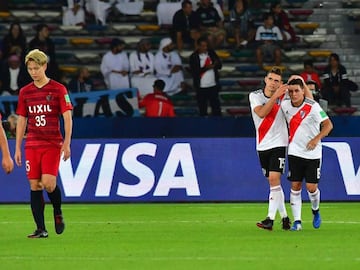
[296, 82]
[276, 70]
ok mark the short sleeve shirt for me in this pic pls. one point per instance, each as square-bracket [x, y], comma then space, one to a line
[42, 107]
[304, 124]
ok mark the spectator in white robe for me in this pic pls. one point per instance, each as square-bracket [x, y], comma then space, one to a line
[99, 8]
[74, 13]
[168, 67]
[130, 7]
[115, 66]
[142, 67]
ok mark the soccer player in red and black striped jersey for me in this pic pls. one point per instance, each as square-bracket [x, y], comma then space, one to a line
[39, 106]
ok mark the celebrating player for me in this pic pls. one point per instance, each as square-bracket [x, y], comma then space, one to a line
[308, 124]
[271, 142]
[39, 106]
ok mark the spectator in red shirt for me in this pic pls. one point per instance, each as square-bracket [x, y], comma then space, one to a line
[157, 104]
[309, 73]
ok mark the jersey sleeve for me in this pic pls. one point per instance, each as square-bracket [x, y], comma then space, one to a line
[319, 113]
[21, 106]
[65, 102]
[254, 101]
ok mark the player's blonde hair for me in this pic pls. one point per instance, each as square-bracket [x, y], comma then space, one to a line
[39, 57]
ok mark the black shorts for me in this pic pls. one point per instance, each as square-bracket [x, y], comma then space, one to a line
[301, 168]
[272, 160]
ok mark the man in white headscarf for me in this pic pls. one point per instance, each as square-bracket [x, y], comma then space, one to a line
[142, 67]
[168, 67]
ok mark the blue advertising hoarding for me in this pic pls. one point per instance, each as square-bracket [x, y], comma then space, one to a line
[179, 170]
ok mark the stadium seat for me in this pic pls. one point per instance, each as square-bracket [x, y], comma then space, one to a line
[238, 111]
[227, 68]
[229, 96]
[59, 41]
[48, 15]
[249, 82]
[4, 14]
[307, 27]
[23, 15]
[296, 3]
[296, 55]
[96, 28]
[124, 27]
[344, 111]
[103, 40]
[247, 68]
[246, 53]
[81, 41]
[68, 69]
[64, 57]
[70, 28]
[223, 54]
[148, 27]
[86, 57]
[314, 40]
[129, 40]
[296, 68]
[354, 15]
[227, 82]
[181, 98]
[301, 14]
[320, 53]
[185, 54]
[186, 111]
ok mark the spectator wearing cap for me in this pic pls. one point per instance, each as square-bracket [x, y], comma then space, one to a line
[115, 66]
[157, 104]
[13, 76]
[142, 67]
[168, 67]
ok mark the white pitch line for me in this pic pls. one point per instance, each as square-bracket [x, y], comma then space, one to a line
[167, 258]
[171, 221]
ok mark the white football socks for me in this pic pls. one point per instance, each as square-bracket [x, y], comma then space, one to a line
[276, 202]
[296, 203]
[314, 199]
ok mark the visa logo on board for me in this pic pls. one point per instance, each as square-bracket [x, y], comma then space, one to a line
[351, 177]
[180, 155]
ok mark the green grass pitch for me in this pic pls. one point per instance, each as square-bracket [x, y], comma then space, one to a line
[179, 236]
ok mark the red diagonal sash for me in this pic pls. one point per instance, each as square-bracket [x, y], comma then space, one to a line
[268, 121]
[297, 119]
[207, 62]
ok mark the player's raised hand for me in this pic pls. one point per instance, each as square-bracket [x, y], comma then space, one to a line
[281, 90]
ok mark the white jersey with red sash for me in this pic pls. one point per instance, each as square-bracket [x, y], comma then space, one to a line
[271, 131]
[304, 124]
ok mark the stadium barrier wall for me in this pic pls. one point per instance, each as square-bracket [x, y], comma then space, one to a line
[181, 170]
